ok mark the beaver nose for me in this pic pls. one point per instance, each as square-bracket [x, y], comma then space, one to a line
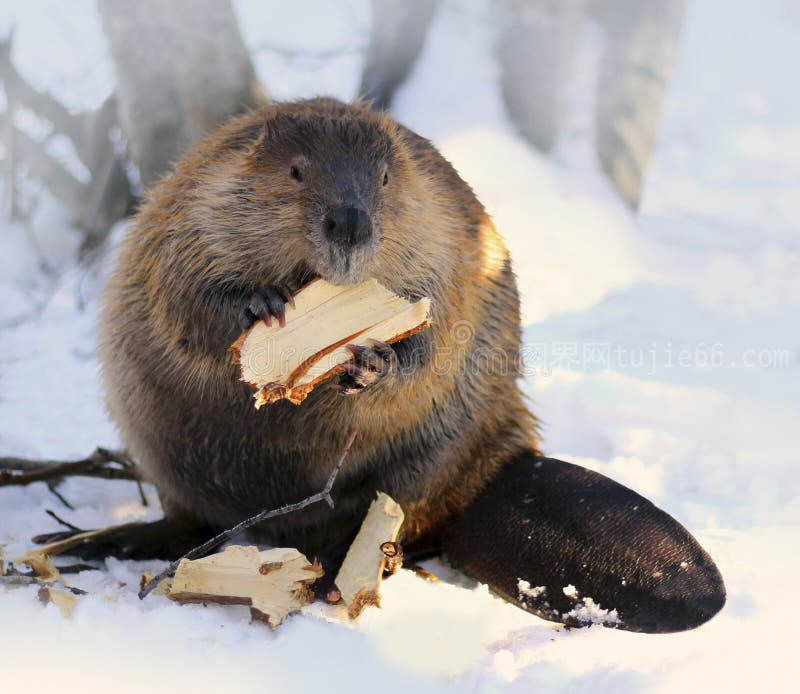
[347, 225]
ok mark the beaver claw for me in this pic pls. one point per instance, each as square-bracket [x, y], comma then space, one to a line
[369, 366]
[265, 304]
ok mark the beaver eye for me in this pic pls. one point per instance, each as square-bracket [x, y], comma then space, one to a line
[386, 178]
[295, 174]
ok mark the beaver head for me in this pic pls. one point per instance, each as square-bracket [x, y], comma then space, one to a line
[312, 188]
[334, 169]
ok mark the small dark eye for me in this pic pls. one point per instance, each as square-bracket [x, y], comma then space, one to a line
[386, 178]
[296, 175]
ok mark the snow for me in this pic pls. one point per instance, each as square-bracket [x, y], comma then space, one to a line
[524, 587]
[587, 611]
[663, 350]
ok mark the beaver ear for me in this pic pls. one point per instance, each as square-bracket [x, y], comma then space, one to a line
[257, 147]
[277, 128]
[573, 546]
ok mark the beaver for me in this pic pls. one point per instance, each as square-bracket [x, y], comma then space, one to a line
[319, 188]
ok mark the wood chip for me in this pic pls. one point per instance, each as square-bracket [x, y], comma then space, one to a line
[62, 599]
[273, 582]
[42, 565]
[360, 576]
[286, 363]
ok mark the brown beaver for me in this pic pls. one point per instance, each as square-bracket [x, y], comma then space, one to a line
[277, 197]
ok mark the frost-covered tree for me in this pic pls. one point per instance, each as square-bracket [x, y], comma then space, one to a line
[182, 68]
[537, 43]
[636, 69]
[397, 35]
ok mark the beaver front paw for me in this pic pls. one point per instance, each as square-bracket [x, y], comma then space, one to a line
[265, 304]
[370, 365]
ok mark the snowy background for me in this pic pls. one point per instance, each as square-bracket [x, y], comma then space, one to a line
[690, 312]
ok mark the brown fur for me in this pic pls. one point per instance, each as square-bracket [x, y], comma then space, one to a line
[230, 219]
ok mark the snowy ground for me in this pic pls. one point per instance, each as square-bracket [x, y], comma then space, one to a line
[664, 352]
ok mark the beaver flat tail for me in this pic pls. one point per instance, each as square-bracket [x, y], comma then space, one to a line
[573, 546]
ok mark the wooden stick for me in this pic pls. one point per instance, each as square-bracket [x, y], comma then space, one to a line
[217, 540]
[60, 520]
[103, 463]
[287, 362]
[59, 546]
[52, 486]
[15, 580]
[359, 578]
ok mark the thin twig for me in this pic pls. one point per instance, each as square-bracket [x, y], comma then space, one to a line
[63, 569]
[217, 540]
[61, 521]
[142, 496]
[128, 462]
[23, 580]
[52, 485]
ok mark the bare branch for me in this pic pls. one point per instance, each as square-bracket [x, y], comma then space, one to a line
[51, 172]
[107, 196]
[52, 485]
[42, 104]
[58, 519]
[103, 463]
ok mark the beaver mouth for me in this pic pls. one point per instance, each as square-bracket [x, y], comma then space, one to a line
[301, 278]
[345, 266]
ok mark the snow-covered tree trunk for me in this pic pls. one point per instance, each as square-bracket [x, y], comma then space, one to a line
[96, 202]
[397, 35]
[536, 45]
[182, 68]
[642, 40]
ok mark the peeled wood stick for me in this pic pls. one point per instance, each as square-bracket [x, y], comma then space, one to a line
[217, 540]
[59, 546]
[359, 579]
[287, 362]
[42, 565]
